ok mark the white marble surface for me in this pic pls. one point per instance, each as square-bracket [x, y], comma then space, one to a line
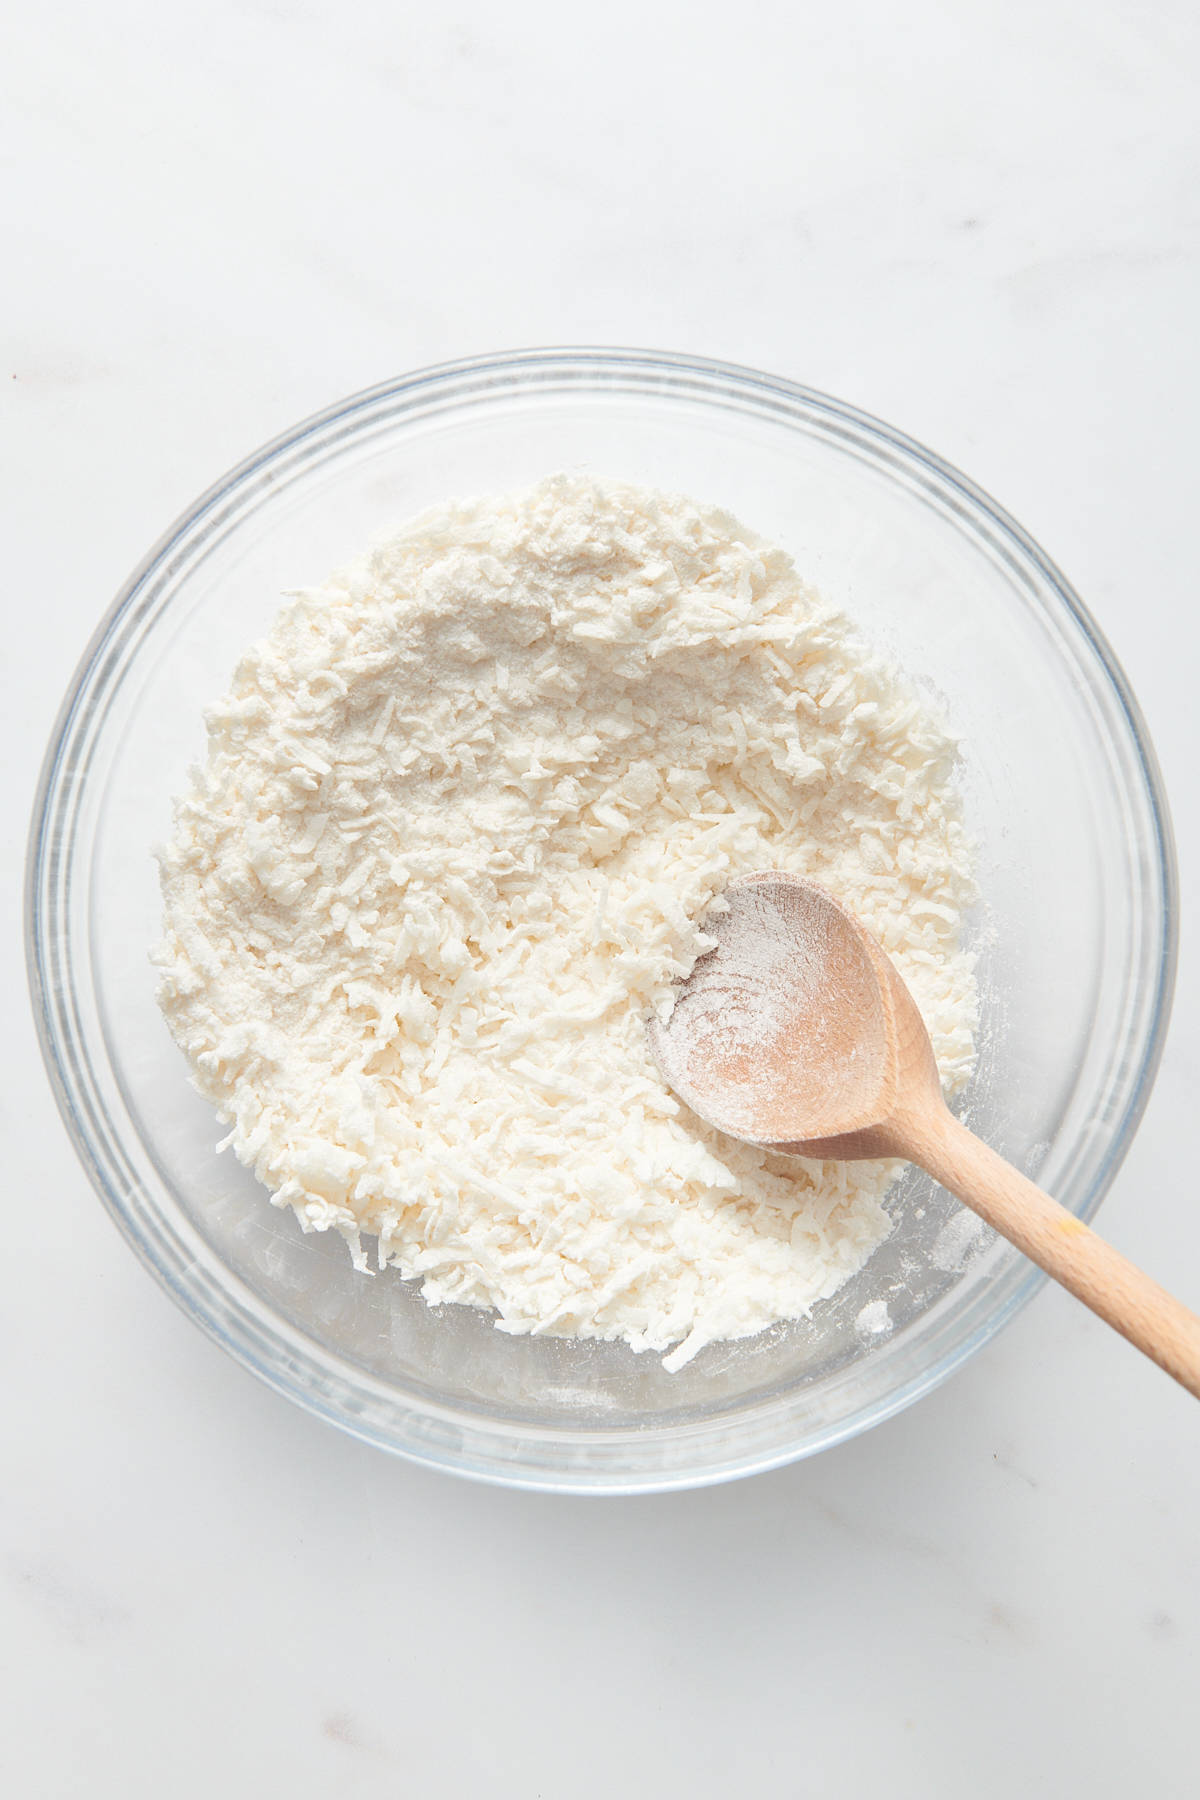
[979, 221]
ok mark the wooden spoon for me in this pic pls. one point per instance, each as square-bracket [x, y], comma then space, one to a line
[797, 1033]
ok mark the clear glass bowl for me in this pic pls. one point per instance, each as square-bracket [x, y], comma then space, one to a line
[1076, 933]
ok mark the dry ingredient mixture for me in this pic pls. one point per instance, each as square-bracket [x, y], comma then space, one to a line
[463, 810]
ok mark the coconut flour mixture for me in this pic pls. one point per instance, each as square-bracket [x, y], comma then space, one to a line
[462, 811]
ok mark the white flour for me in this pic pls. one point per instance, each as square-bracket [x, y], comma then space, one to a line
[461, 812]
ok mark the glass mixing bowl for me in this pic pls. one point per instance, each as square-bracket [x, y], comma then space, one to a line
[1075, 933]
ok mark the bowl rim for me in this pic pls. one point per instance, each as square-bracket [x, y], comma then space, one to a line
[586, 368]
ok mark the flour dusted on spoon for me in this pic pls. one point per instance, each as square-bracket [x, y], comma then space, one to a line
[463, 811]
[761, 985]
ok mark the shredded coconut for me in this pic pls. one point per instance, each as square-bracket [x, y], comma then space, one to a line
[463, 811]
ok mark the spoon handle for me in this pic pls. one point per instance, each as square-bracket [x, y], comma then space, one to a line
[1153, 1320]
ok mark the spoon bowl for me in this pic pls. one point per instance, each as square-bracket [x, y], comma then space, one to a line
[783, 1031]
